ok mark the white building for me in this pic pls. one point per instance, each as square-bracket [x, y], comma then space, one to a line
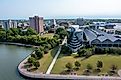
[9, 24]
[75, 39]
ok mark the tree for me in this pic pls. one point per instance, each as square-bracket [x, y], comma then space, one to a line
[89, 66]
[39, 53]
[113, 67]
[61, 32]
[69, 66]
[31, 60]
[15, 31]
[81, 52]
[34, 56]
[99, 64]
[2, 35]
[77, 64]
[10, 38]
[56, 36]
[31, 31]
[36, 64]
[46, 50]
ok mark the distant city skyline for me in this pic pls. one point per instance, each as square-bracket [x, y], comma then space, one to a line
[23, 9]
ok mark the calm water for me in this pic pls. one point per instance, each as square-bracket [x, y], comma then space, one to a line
[10, 57]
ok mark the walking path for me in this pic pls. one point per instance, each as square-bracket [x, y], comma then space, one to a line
[55, 58]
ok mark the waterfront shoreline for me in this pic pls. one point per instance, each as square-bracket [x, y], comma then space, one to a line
[18, 44]
[32, 75]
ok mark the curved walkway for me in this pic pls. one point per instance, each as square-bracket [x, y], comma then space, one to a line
[24, 72]
[119, 72]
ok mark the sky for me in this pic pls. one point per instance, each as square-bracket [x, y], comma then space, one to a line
[23, 9]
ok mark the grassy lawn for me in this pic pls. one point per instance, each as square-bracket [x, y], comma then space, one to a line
[50, 35]
[107, 60]
[47, 59]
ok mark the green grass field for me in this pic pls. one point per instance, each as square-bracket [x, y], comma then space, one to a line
[107, 60]
[47, 59]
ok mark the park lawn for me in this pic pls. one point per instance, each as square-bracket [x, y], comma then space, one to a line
[107, 60]
[46, 60]
[50, 35]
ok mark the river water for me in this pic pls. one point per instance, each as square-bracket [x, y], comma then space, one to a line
[10, 57]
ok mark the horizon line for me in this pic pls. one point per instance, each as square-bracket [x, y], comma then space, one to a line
[65, 17]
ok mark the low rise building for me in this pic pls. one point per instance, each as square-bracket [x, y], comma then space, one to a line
[78, 35]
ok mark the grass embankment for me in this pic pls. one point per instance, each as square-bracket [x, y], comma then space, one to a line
[107, 60]
[47, 59]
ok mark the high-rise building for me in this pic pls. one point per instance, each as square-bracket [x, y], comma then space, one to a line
[80, 21]
[9, 24]
[14, 24]
[37, 23]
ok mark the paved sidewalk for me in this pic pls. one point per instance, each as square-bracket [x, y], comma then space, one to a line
[55, 58]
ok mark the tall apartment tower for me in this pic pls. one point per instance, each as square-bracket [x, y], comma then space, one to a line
[80, 21]
[9, 24]
[36, 23]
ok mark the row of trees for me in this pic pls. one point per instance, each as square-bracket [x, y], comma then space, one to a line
[12, 33]
[26, 37]
[99, 66]
[87, 52]
[69, 65]
[115, 51]
[89, 67]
